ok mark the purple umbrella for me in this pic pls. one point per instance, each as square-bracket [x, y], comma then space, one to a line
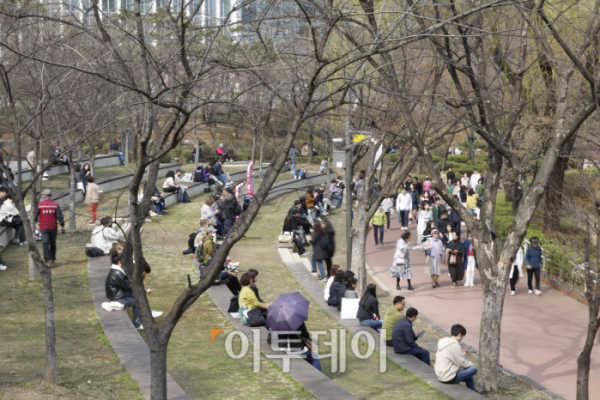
[288, 312]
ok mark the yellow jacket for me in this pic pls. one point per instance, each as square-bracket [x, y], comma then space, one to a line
[472, 201]
[310, 200]
[379, 218]
[248, 298]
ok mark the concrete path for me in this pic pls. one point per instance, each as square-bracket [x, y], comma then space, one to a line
[541, 335]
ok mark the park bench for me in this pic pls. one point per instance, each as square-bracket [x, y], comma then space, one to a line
[100, 161]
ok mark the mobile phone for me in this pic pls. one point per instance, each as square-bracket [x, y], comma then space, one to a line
[469, 349]
[422, 333]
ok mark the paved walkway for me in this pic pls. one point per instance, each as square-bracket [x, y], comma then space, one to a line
[542, 336]
[124, 338]
[300, 270]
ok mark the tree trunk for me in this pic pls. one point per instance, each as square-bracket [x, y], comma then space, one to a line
[553, 195]
[158, 370]
[72, 187]
[197, 143]
[445, 157]
[310, 144]
[254, 144]
[262, 147]
[92, 159]
[50, 372]
[359, 237]
[584, 359]
[494, 288]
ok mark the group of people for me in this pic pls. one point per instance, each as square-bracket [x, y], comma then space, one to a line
[213, 173]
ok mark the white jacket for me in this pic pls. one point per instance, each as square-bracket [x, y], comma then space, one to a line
[518, 262]
[387, 204]
[8, 209]
[103, 238]
[206, 212]
[404, 202]
[449, 359]
[475, 180]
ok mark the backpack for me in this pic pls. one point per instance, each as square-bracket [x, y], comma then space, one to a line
[233, 304]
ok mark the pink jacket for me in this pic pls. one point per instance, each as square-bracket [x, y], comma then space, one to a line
[427, 186]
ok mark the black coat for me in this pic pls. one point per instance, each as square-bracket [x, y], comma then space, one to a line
[320, 251]
[366, 310]
[333, 293]
[450, 175]
[403, 336]
[117, 285]
[231, 208]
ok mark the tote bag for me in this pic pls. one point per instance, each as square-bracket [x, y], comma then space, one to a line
[349, 308]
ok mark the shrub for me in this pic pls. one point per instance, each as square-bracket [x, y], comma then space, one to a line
[166, 158]
[437, 159]
[392, 158]
[102, 150]
[242, 156]
[207, 150]
[186, 155]
[175, 153]
[458, 158]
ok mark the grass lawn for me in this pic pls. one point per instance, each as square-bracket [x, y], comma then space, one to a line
[87, 366]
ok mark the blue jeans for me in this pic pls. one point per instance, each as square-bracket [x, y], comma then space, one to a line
[181, 193]
[130, 302]
[373, 323]
[121, 155]
[159, 207]
[219, 227]
[403, 217]
[294, 168]
[313, 359]
[420, 353]
[466, 376]
[338, 198]
[314, 266]
[221, 178]
[378, 228]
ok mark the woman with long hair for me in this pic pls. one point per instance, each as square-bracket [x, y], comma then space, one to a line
[330, 232]
[320, 244]
[368, 309]
[415, 202]
[401, 263]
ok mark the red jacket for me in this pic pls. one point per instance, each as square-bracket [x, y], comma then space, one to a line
[49, 214]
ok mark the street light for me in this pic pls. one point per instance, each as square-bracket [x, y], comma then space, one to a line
[349, 173]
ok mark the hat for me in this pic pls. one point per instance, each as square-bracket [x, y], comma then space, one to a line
[210, 229]
[221, 144]
[535, 241]
[434, 231]
[47, 192]
[322, 185]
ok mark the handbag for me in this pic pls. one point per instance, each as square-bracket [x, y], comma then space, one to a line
[400, 261]
[286, 238]
[255, 318]
[452, 260]
[243, 314]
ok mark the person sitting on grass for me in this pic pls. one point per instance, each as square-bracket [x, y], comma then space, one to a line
[451, 366]
[9, 217]
[404, 338]
[392, 315]
[348, 275]
[118, 288]
[205, 251]
[195, 238]
[368, 309]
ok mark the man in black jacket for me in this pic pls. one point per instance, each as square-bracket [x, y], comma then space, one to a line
[118, 288]
[404, 338]
[451, 176]
[230, 210]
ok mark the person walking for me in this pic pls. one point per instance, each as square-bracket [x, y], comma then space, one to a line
[423, 219]
[451, 175]
[533, 262]
[414, 195]
[437, 209]
[294, 154]
[378, 220]
[401, 263]
[92, 198]
[368, 309]
[470, 262]
[455, 259]
[480, 188]
[330, 232]
[434, 257]
[474, 180]
[450, 363]
[427, 186]
[472, 199]
[456, 221]
[403, 208]
[516, 271]
[320, 244]
[388, 206]
[49, 216]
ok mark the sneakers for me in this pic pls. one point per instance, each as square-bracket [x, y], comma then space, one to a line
[538, 292]
[140, 328]
[319, 219]
[530, 292]
[147, 220]
[306, 253]
[23, 243]
[323, 279]
[2, 267]
[512, 292]
[232, 266]
[15, 240]
[156, 314]
[92, 223]
[112, 306]
[153, 214]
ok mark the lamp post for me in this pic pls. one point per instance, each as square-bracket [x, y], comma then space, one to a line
[472, 147]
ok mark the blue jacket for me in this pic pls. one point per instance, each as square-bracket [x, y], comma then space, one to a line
[216, 169]
[454, 217]
[533, 257]
[467, 244]
[113, 146]
[403, 336]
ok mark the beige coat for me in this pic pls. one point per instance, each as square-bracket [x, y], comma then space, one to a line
[92, 193]
[449, 359]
